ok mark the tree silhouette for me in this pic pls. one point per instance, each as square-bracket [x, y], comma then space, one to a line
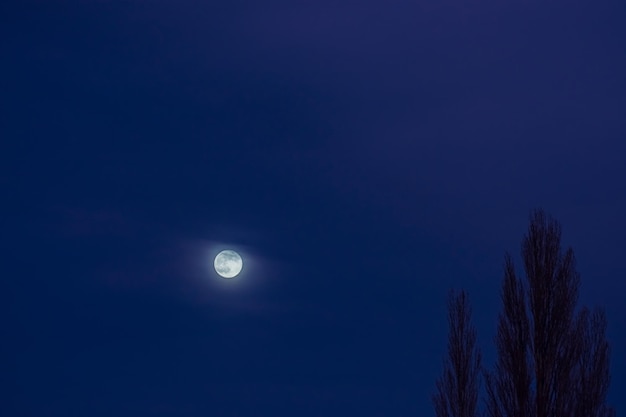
[551, 361]
[509, 387]
[592, 367]
[457, 390]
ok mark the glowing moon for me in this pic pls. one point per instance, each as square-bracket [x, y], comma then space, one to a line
[228, 263]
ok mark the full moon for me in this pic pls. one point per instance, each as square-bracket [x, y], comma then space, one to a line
[228, 263]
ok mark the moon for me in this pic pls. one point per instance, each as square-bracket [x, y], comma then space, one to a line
[228, 263]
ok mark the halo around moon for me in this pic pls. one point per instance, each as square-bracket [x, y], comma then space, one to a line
[228, 263]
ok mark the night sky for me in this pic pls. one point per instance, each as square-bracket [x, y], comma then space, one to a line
[363, 157]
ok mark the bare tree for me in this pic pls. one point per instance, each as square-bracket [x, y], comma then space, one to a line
[509, 386]
[457, 389]
[591, 374]
[551, 362]
[553, 292]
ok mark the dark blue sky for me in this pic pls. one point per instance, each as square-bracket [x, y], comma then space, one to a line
[364, 157]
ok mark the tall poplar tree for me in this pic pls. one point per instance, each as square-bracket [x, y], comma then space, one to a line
[457, 389]
[552, 361]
